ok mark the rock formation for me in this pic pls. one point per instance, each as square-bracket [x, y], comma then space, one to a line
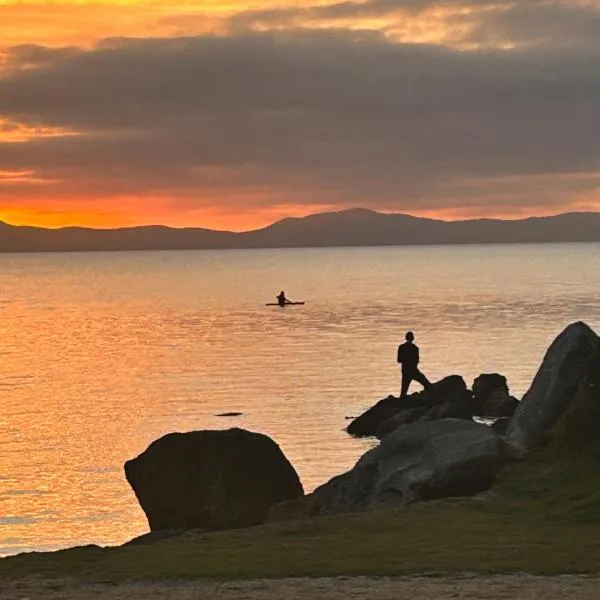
[420, 461]
[568, 361]
[403, 417]
[430, 448]
[211, 479]
[450, 390]
[491, 397]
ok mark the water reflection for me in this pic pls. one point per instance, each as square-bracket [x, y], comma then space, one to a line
[102, 353]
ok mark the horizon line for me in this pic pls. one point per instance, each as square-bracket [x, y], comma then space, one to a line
[300, 217]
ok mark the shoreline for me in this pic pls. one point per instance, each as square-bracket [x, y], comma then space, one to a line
[473, 587]
[478, 502]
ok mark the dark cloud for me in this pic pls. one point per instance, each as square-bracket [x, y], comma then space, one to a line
[354, 10]
[309, 117]
[32, 55]
[537, 23]
[474, 12]
[495, 23]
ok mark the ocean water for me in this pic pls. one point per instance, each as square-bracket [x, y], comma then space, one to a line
[101, 353]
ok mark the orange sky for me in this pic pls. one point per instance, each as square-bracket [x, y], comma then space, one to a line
[33, 196]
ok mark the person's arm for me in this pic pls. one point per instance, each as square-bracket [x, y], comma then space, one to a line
[399, 358]
[417, 355]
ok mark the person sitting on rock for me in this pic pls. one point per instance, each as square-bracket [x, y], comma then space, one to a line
[408, 357]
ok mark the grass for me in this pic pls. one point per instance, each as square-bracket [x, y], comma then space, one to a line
[541, 517]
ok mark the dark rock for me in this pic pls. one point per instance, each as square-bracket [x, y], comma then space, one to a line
[491, 396]
[211, 479]
[487, 383]
[453, 399]
[499, 404]
[450, 410]
[451, 388]
[229, 414]
[567, 361]
[408, 415]
[500, 426]
[425, 460]
[575, 434]
[366, 424]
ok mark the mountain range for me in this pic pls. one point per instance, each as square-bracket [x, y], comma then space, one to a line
[353, 227]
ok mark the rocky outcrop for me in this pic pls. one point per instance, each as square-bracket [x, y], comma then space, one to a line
[567, 362]
[211, 479]
[408, 415]
[499, 404]
[420, 461]
[451, 390]
[448, 399]
[367, 424]
[575, 437]
[485, 384]
[501, 425]
[491, 396]
[451, 409]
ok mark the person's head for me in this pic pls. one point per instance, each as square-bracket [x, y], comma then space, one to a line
[410, 336]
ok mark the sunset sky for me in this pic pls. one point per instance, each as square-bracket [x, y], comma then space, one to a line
[234, 114]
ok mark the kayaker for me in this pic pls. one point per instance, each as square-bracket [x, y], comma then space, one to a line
[281, 299]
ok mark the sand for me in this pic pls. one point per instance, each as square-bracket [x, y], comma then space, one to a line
[522, 587]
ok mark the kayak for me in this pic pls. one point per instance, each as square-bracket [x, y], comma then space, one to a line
[282, 305]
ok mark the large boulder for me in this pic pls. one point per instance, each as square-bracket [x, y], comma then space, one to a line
[211, 479]
[449, 389]
[420, 461]
[566, 363]
[491, 397]
[575, 437]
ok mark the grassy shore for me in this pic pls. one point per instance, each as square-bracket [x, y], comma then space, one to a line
[541, 517]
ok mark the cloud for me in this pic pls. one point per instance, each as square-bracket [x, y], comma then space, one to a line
[255, 120]
[537, 23]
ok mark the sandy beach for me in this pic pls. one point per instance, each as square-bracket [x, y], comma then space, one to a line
[504, 587]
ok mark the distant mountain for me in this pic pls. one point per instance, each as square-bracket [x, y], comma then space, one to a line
[355, 227]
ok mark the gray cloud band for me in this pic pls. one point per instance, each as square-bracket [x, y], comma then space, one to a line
[309, 116]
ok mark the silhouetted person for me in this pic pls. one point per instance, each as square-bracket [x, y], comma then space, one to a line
[281, 299]
[408, 357]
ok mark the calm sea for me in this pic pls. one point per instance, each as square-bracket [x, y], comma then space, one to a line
[101, 353]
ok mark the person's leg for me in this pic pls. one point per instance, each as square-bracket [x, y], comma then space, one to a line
[406, 379]
[418, 376]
